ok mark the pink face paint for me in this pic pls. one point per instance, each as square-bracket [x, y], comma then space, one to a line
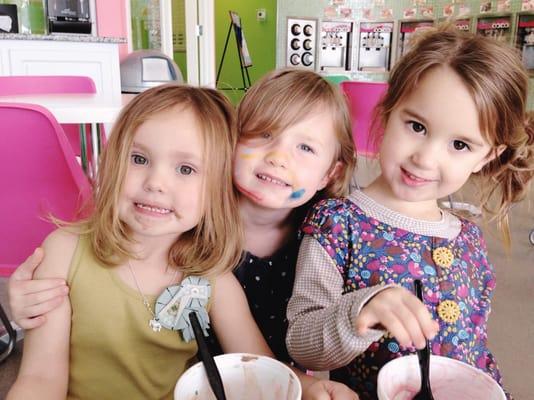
[250, 195]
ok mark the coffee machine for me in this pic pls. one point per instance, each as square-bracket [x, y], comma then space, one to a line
[68, 16]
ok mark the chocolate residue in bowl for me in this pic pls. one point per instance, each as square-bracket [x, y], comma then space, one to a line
[248, 358]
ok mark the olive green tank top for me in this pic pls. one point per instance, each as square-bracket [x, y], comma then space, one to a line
[114, 354]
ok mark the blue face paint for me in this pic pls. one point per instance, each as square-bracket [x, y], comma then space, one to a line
[297, 194]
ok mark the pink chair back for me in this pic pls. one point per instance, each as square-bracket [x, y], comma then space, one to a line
[363, 97]
[19, 85]
[39, 177]
[50, 84]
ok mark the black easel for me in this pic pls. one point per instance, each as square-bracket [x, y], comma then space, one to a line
[239, 41]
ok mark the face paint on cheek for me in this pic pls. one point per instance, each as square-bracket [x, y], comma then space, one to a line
[247, 154]
[297, 194]
[251, 195]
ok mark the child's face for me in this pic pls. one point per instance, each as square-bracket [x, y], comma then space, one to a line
[162, 192]
[285, 171]
[432, 140]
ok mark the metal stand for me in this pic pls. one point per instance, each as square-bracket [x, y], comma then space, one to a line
[7, 348]
[244, 69]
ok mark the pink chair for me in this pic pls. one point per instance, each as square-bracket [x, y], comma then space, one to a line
[31, 84]
[363, 97]
[39, 177]
[54, 84]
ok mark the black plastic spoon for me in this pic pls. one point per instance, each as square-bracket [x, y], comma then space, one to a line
[424, 357]
[214, 377]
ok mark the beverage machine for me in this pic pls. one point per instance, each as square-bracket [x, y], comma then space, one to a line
[68, 16]
[463, 24]
[497, 27]
[375, 46]
[406, 30]
[301, 42]
[335, 46]
[524, 39]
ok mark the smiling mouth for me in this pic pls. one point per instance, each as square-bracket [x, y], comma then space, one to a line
[272, 180]
[153, 209]
[415, 178]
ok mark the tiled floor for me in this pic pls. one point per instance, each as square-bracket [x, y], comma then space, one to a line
[511, 327]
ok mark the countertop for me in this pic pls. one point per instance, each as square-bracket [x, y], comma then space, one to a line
[63, 37]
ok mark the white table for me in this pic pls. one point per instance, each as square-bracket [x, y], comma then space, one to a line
[75, 109]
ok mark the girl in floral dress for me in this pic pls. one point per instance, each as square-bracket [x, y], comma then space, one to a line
[455, 109]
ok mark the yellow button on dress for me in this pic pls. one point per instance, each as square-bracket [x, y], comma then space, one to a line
[443, 257]
[449, 311]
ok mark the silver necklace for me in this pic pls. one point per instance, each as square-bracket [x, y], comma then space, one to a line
[154, 321]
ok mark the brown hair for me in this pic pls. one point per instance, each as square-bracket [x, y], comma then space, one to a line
[214, 245]
[494, 74]
[283, 97]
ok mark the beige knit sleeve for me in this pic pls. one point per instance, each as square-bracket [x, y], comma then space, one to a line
[321, 335]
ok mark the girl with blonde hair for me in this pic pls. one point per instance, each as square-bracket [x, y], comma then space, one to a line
[165, 221]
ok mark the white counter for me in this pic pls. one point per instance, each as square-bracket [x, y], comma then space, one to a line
[83, 55]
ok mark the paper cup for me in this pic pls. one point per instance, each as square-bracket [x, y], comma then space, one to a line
[244, 376]
[400, 379]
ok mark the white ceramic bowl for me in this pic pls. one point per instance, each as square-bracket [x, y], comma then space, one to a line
[450, 379]
[244, 376]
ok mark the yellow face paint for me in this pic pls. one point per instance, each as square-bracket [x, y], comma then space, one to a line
[247, 154]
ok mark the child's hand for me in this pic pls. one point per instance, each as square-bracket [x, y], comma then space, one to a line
[328, 390]
[29, 299]
[400, 313]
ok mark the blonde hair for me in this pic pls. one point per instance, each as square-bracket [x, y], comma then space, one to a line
[284, 97]
[494, 74]
[214, 245]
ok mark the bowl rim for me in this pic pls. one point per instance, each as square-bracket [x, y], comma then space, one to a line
[264, 358]
[409, 357]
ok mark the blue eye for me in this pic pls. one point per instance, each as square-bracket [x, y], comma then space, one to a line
[185, 170]
[306, 148]
[459, 145]
[417, 127]
[266, 135]
[138, 159]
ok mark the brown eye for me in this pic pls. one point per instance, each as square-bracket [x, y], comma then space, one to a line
[139, 160]
[459, 145]
[417, 127]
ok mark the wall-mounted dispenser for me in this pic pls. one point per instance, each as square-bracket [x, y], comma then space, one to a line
[301, 42]
[406, 30]
[497, 27]
[375, 46]
[335, 46]
[524, 39]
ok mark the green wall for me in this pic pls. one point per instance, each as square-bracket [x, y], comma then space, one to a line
[260, 37]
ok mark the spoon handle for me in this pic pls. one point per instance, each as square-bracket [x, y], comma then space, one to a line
[423, 356]
[214, 377]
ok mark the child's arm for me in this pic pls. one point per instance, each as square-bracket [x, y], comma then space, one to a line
[232, 321]
[327, 329]
[45, 362]
[31, 299]
[321, 334]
